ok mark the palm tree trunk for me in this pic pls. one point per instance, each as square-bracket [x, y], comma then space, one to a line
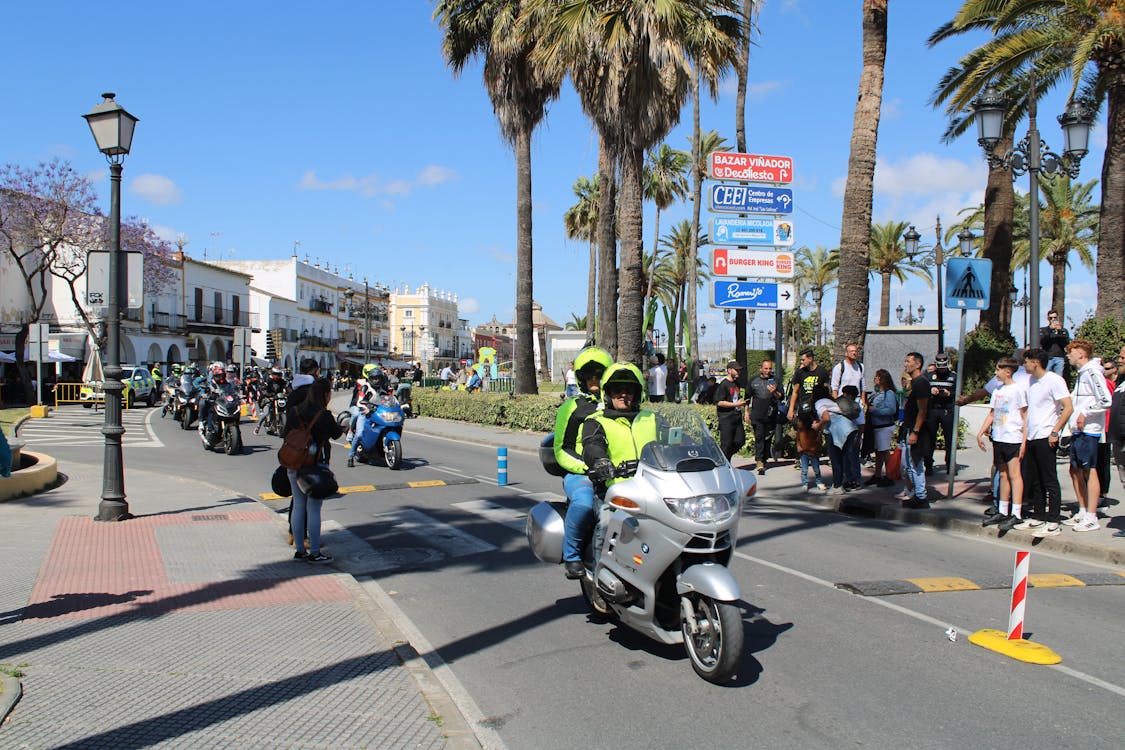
[884, 299]
[696, 201]
[607, 250]
[742, 68]
[652, 264]
[999, 210]
[525, 351]
[630, 314]
[1058, 284]
[591, 292]
[1111, 228]
[853, 291]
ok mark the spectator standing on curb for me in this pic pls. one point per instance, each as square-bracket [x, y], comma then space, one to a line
[808, 452]
[849, 371]
[801, 403]
[1091, 400]
[571, 382]
[305, 516]
[943, 383]
[657, 379]
[1116, 434]
[764, 395]
[914, 436]
[1054, 339]
[1006, 426]
[881, 421]
[1105, 448]
[841, 432]
[730, 405]
[1048, 410]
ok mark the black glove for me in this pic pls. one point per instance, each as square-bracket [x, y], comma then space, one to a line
[601, 471]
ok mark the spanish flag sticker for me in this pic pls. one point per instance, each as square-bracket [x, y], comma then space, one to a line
[637, 560]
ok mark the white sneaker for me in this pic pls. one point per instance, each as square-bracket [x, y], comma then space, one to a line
[1075, 519]
[835, 491]
[1090, 524]
[904, 495]
[820, 487]
[1051, 529]
[1028, 524]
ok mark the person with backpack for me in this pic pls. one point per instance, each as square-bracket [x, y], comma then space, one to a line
[808, 376]
[309, 430]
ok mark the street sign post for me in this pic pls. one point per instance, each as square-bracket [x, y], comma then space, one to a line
[726, 165]
[756, 264]
[750, 230]
[749, 199]
[752, 295]
[240, 349]
[97, 279]
[38, 339]
[968, 282]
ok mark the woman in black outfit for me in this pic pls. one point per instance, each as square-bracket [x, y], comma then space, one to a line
[305, 509]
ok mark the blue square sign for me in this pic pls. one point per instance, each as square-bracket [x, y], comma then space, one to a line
[968, 282]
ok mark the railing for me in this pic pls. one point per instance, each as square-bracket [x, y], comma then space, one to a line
[320, 305]
[223, 316]
[68, 393]
[169, 321]
[317, 342]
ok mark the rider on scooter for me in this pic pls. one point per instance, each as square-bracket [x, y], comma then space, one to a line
[590, 364]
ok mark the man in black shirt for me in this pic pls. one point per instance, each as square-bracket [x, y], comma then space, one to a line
[764, 397]
[943, 383]
[1053, 339]
[808, 376]
[730, 405]
[914, 434]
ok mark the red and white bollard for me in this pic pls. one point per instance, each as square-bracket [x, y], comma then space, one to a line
[1019, 595]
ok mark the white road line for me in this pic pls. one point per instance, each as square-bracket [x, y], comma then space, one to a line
[488, 737]
[449, 540]
[1089, 679]
[513, 519]
[156, 442]
[449, 470]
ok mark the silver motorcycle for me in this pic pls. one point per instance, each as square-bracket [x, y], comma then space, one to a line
[664, 538]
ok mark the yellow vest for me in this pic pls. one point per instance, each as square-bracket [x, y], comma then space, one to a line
[624, 439]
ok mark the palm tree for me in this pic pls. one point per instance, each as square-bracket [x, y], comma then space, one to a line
[520, 91]
[1051, 39]
[630, 61]
[576, 323]
[855, 229]
[819, 269]
[664, 183]
[890, 261]
[707, 143]
[1068, 222]
[581, 223]
[674, 273]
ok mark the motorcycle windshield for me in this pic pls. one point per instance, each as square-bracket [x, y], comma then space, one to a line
[683, 443]
[227, 389]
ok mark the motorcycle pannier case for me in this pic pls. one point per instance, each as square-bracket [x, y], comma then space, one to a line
[545, 531]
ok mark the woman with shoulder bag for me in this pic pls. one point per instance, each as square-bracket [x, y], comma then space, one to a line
[305, 510]
[882, 413]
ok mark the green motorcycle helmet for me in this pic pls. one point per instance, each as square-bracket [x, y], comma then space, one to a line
[591, 362]
[625, 373]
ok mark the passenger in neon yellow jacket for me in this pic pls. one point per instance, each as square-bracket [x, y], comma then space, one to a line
[618, 432]
[590, 364]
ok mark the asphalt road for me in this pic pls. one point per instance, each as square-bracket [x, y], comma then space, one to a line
[823, 667]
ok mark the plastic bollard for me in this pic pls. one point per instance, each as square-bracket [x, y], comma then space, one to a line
[502, 466]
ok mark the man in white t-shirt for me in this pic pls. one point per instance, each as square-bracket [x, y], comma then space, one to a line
[1007, 418]
[849, 372]
[1048, 409]
[657, 379]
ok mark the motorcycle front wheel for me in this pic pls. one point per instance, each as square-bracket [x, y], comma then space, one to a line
[715, 647]
[232, 442]
[187, 420]
[392, 452]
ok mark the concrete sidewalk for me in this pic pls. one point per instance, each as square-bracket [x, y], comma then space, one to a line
[961, 513]
[191, 626]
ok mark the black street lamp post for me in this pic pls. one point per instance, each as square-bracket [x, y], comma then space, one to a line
[112, 128]
[907, 317]
[1033, 157]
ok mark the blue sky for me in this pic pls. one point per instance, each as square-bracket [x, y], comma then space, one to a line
[340, 126]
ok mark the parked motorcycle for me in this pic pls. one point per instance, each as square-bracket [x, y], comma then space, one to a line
[658, 561]
[221, 427]
[378, 430]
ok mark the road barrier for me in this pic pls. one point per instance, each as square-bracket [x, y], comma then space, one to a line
[502, 466]
[1019, 595]
[68, 393]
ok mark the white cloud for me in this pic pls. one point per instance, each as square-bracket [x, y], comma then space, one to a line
[372, 185]
[468, 306]
[755, 90]
[923, 186]
[499, 254]
[168, 234]
[156, 188]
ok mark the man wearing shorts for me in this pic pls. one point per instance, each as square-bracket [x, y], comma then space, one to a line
[1091, 399]
[1048, 410]
[1006, 425]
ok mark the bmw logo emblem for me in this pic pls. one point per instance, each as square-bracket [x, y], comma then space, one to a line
[644, 548]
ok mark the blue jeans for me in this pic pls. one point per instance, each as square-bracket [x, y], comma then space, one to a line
[845, 461]
[914, 471]
[571, 391]
[354, 427]
[579, 515]
[809, 462]
[304, 517]
[1055, 365]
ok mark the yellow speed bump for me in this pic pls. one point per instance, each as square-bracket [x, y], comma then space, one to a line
[1052, 580]
[1020, 649]
[427, 483]
[944, 583]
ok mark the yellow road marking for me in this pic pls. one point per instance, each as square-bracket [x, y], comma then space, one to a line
[357, 488]
[944, 583]
[1021, 649]
[1120, 572]
[271, 496]
[1052, 580]
[427, 483]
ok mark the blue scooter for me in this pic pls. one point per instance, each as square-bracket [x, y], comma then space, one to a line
[379, 430]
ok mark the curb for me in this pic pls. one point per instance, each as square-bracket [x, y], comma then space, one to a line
[9, 696]
[32, 480]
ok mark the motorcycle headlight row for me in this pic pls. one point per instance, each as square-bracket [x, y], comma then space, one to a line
[712, 508]
[390, 416]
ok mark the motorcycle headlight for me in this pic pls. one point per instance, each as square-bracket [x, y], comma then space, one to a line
[390, 417]
[703, 508]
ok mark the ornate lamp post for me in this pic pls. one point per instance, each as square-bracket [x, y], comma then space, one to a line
[112, 128]
[1033, 157]
[907, 317]
[366, 323]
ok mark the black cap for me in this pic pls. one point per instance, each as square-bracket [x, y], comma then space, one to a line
[735, 364]
[309, 366]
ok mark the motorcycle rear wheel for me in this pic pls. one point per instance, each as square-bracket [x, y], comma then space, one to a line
[715, 650]
[392, 452]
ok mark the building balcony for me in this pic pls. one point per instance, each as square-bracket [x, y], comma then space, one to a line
[317, 342]
[320, 305]
[207, 315]
[162, 321]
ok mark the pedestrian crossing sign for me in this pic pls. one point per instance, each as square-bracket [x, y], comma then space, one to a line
[967, 283]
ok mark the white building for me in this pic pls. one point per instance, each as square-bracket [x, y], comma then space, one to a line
[425, 327]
